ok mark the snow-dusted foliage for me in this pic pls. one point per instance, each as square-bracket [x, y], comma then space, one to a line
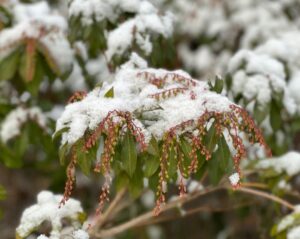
[12, 124]
[37, 29]
[289, 225]
[47, 210]
[288, 163]
[166, 93]
[153, 107]
[141, 28]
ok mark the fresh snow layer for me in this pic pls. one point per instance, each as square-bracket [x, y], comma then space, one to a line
[288, 163]
[47, 209]
[12, 124]
[38, 22]
[132, 93]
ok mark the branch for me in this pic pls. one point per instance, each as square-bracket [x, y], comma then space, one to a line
[103, 217]
[149, 218]
[266, 195]
[150, 215]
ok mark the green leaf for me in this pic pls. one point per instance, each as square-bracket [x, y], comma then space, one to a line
[153, 181]
[62, 153]
[260, 112]
[172, 164]
[9, 65]
[40, 71]
[224, 155]
[109, 93]
[186, 148]
[275, 116]
[129, 154]
[84, 161]
[58, 133]
[215, 172]
[211, 138]
[136, 182]
[2, 193]
[218, 86]
[153, 147]
[121, 180]
[151, 165]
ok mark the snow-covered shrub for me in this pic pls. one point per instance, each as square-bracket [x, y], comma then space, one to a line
[143, 115]
[165, 117]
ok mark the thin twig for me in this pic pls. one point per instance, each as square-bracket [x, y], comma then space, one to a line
[266, 195]
[103, 217]
[146, 216]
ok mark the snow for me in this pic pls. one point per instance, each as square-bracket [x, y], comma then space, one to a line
[294, 233]
[42, 237]
[37, 21]
[81, 234]
[288, 163]
[138, 29]
[13, 122]
[132, 92]
[194, 186]
[47, 209]
[259, 76]
[234, 179]
[286, 222]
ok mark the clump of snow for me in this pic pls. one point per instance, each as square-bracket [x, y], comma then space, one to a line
[294, 233]
[134, 93]
[139, 29]
[81, 234]
[234, 179]
[288, 163]
[194, 186]
[290, 223]
[47, 209]
[259, 77]
[12, 124]
[106, 9]
[286, 222]
[37, 21]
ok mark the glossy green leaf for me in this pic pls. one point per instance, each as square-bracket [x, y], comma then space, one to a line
[58, 133]
[109, 93]
[215, 171]
[172, 164]
[121, 180]
[211, 138]
[260, 112]
[224, 155]
[62, 153]
[9, 65]
[129, 154]
[153, 147]
[275, 116]
[151, 165]
[136, 182]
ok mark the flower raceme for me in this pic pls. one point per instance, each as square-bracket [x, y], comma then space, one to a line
[155, 124]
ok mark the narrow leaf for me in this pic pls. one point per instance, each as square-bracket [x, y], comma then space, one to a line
[129, 154]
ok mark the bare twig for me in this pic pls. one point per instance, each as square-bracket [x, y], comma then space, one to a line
[103, 217]
[266, 195]
[149, 218]
[149, 215]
